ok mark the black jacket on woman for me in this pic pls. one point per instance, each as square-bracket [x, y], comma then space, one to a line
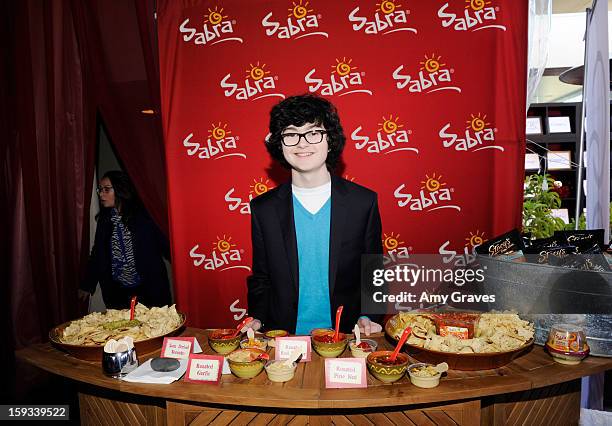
[149, 245]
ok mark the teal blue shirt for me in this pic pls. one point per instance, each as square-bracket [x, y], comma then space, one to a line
[312, 233]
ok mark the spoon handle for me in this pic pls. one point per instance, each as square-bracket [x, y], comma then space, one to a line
[242, 324]
[338, 315]
[401, 342]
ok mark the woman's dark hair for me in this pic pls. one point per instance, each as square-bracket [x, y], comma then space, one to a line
[299, 110]
[126, 198]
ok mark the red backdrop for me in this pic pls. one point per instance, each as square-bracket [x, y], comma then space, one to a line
[431, 96]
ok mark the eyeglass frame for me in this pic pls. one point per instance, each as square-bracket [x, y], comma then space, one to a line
[303, 135]
[104, 189]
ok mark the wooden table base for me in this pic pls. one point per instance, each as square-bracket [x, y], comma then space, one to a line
[553, 405]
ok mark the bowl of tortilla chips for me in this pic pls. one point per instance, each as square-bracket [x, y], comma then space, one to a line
[498, 338]
[85, 338]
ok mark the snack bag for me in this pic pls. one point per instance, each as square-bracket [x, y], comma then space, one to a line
[583, 240]
[508, 246]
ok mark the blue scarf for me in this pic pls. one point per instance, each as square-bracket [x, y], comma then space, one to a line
[122, 254]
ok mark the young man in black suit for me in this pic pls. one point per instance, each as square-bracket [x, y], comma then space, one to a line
[309, 234]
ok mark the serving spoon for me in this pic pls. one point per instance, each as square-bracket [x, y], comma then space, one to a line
[357, 335]
[338, 315]
[293, 357]
[401, 342]
[242, 324]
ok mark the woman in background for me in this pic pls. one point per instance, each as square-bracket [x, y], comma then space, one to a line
[126, 258]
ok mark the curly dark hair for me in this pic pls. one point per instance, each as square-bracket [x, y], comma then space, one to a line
[299, 110]
[126, 197]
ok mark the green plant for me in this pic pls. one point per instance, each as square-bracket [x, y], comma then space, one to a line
[582, 221]
[539, 199]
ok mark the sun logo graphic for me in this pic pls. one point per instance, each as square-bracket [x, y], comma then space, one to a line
[478, 135]
[257, 188]
[468, 255]
[433, 196]
[301, 22]
[391, 137]
[476, 15]
[221, 143]
[217, 28]
[394, 248]
[258, 84]
[343, 80]
[433, 76]
[224, 256]
[388, 18]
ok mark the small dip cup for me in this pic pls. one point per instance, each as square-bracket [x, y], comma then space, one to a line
[276, 333]
[423, 379]
[273, 334]
[243, 368]
[220, 341]
[567, 344]
[567, 357]
[257, 343]
[387, 373]
[361, 352]
[277, 372]
[323, 344]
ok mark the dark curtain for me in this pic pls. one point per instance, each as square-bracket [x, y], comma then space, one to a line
[63, 63]
[119, 48]
[49, 133]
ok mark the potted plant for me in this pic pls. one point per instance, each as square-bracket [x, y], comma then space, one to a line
[539, 200]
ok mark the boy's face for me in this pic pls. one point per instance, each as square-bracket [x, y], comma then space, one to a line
[305, 157]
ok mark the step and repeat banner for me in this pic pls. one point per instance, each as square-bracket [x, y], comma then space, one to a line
[431, 96]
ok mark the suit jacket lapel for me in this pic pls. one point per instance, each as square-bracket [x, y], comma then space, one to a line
[338, 218]
[287, 225]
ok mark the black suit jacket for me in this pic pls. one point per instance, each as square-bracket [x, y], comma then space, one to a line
[273, 288]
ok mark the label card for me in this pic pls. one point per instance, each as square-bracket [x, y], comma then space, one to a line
[286, 345]
[177, 347]
[533, 126]
[532, 162]
[345, 373]
[559, 125]
[204, 369]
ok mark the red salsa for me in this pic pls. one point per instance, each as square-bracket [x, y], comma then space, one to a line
[459, 324]
[222, 334]
[365, 346]
[328, 337]
[386, 360]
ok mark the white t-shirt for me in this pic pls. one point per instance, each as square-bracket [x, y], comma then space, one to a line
[312, 198]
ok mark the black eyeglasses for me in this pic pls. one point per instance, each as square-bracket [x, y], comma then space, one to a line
[313, 137]
[104, 189]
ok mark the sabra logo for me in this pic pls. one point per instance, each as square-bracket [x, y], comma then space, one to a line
[389, 138]
[216, 29]
[239, 313]
[387, 19]
[469, 250]
[477, 15]
[433, 76]
[301, 22]
[257, 188]
[433, 196]
[257, 84]
[394, 249]
[219, 144]
[224, 256]
[477, 133]
[343, 80]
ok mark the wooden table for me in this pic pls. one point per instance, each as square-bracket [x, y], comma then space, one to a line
[531, 390]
